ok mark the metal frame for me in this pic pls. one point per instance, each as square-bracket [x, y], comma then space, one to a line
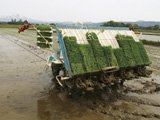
[90, 27]
[64, 52]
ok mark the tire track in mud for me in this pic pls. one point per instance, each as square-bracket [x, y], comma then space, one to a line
[119, 105]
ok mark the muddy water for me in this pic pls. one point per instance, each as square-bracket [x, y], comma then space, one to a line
[26, 92]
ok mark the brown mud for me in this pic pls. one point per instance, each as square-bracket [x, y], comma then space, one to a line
[27, 93]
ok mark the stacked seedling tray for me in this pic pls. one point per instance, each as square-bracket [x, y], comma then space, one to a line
[90, 57]
[44, 36]
[131, 53]
[84, 58]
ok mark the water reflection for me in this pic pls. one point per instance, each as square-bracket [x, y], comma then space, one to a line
[56, 106]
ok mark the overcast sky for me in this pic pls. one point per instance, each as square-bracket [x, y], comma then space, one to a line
[83, 10]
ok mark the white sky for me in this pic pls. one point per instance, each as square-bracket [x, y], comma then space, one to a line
[83, 10]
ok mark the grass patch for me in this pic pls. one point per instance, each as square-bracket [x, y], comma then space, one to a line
[42, 40]
[74, 55]
[143, 53]
[143, 30]
[127, 51]
[149, 42]
[134, 52]
[97, 50]
[10, 26]
[121, 58]
[88, 57]
[45, 33]
[43, 27]
[43, 45]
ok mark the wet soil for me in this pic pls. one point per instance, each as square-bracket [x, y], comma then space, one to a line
[27, 93]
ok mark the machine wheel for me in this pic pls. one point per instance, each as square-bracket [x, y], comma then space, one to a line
[55, 71]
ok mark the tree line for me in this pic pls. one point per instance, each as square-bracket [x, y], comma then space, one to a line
[121, 24]
[19, 22]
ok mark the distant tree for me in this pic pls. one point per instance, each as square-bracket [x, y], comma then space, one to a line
[25, 22]
[116, 24]
[52, 23]
[156, 27]
[135, 26]
[128, 25]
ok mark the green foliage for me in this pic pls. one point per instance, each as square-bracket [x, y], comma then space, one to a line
[92, 56]
[110, 57]
[148, 30]
[149, 42]
[143, 53]
[156, 27]
[45, 33]
[77, 68]
[42, 40]
[97, 50]
[88, 57]
[124, 44]
[117, 24]
[43, 27]
[15, 22]
[10, 26]
[134, 52]
[74, 55]
[114, 24]
[121, 58]
[43, 45]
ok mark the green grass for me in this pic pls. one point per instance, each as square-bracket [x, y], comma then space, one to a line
[97, 50]
[143, 53]
[43, 27]
[74, 55]
[42, 40]
[88, 57]
[27, 35]
[127, 51]
[143, 40]
[121, 58]
[43, 45]
[134, 52]
[93, 57]
[10, 26]
[45, 33]
[143, 30]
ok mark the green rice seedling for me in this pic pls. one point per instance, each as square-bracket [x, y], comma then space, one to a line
[124, 44]
[143, 53]
[77, 68]
[110, 57]
[121, 58]
[42, 40]
[136, 53]
[43, 45]
[45, 33]
[129, 57]
[88, 57]
[74, 55]
[43, 27]
[97, 50]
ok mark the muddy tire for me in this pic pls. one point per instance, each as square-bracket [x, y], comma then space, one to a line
[55, 71]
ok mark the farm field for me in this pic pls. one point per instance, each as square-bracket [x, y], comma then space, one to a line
[27, 92]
